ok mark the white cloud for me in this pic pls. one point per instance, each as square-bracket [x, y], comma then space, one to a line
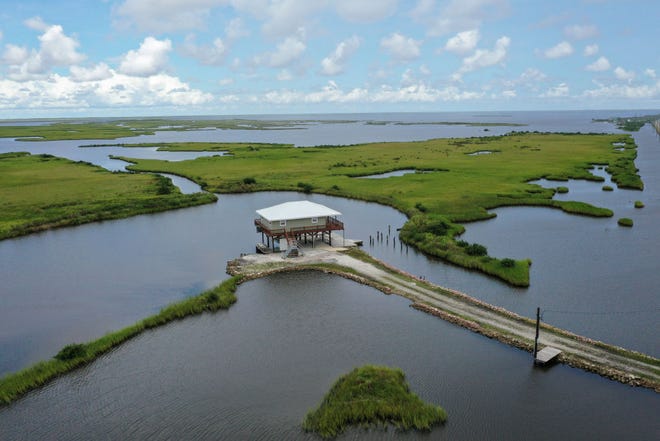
[284, 75]
[532, 75]
[284, 16]
[15, 55]
[55, 49]
[509, 94]
[287, 51]
[649, 73]
[118, 90]
[236, 29]
[625, 91]
[463, 42]
[580, 32]
[149, 59]
[332, 93]
[334, 63]
[365, 11]
[36, 23]
[624, 75]
[600, 65]
[226, 81]
[400, 47]
[210, 55]
[99, 72]
[164, 15]
[562, 49]
[556, 92]
[484, 58]
[590, 50]
[457, 15]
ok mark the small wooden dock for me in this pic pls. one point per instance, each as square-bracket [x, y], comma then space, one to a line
[546, 355]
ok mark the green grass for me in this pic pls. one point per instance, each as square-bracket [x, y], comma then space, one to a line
[459, 188]
[372, 395]
[625, 222]
[607, 188]
[72, 356]
[40, 192]
[562, 190]
[639, 204]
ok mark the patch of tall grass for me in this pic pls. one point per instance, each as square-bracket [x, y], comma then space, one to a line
[372, 395]
[72, 356]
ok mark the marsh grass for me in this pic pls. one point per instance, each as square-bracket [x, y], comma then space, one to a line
[625, 222]
[41, 192]
[72, 356]
[639, 204]
[372, 395]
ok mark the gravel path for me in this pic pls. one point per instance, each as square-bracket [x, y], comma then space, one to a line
[613, 362]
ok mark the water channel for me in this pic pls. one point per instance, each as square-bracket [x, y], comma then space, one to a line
[254, 370]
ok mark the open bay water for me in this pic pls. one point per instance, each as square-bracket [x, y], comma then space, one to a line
[254, 371]
[76, 284]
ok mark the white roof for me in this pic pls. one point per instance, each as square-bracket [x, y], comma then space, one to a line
[296, 210]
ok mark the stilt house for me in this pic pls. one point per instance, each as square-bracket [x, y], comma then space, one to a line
[284, 226]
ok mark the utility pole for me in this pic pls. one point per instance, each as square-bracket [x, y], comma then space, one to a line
[536, 339]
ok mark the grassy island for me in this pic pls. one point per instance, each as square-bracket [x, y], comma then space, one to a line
[625, 222]
[40, 192]
[372, 395]
[74, 355]
[451, 187]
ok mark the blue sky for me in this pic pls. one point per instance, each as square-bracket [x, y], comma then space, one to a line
[178, 57]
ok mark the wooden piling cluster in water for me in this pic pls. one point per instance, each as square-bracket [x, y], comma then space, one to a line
[380, 237]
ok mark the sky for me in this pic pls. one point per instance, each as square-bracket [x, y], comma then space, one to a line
[77, 58]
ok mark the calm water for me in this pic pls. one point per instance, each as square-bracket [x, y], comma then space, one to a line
[254, 371]
[76, 284]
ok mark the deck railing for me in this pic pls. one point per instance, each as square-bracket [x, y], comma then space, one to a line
[331, 224]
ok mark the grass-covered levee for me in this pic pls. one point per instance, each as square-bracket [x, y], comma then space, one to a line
[456, 180]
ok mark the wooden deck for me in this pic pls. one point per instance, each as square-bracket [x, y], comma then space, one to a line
[546, 355]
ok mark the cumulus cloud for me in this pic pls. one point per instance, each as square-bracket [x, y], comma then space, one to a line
[590, 50]
[400, 47]
[580, 32]
[555, 92]
[332, 93]
[457, 15]
[600, 65]
[649, 73]
[463, 42]
[365, 11]
[14, 55]
[211, 54]
[283, 16]
[624, 75]
[284, 75]
[95, 73]
[287, 51]
[236, 29]
[484, 58]
[562, 49]
[164, 16]
[149, 59]
[56, 49]
[625, 91]
[334, 63]
[118, 90]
